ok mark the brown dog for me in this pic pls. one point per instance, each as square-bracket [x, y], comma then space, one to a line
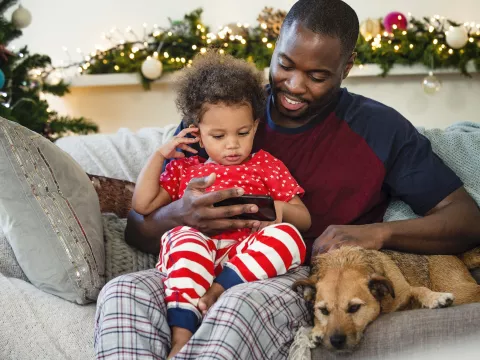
[351, 286]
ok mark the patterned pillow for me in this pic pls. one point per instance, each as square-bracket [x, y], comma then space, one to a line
[50, 215]
[115, 195]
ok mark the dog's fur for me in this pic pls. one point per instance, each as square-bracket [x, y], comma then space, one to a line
[351, 286]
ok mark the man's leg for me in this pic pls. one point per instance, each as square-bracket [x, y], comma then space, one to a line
[256, 320]
[131, 322]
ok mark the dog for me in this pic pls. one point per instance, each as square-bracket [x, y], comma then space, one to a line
[351, 286]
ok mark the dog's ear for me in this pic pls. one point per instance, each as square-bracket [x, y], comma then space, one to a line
[380, 286]
[308, 285]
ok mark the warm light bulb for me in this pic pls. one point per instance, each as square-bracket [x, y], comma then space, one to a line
[394, 26]
[165, 55]
[116, 67]
[396, 47]
[269, 45]
[170, 33]
[431, 28]
[264, 39]
[471, 40]
[450, 51]
[411, 46]
[435, 41]
[131, 56]
[264, 26]
[194, 47]
[203, 50]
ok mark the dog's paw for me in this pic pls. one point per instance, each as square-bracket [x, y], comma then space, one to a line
[440, 300]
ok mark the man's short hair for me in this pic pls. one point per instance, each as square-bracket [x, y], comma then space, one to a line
[332, 18]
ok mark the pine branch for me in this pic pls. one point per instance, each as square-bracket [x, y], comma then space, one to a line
[6, 4]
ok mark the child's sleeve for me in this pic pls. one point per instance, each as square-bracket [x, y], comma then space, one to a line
[170, 178]
[280, 183]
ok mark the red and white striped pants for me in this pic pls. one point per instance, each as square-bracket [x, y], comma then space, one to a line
[191, 260]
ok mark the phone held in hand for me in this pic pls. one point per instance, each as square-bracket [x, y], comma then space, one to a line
[265, 204]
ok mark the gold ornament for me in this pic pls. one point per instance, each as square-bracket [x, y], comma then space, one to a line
[272, 20]
[370, 28]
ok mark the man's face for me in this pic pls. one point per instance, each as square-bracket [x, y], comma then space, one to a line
[306, 71]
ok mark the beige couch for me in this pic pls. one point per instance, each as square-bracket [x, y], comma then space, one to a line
[36, 325]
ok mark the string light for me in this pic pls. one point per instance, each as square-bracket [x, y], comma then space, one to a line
[396, 47]
[116, 67]
[194, 47]
[264, 26]
[165, 55]
[471, 40]
[411, 46]
[264, 39]
[450, 51]
[269, 45]
[435, 41]
[203, 50]
[131, 56]
[430, 29]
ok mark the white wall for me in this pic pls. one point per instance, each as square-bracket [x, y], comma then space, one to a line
[79, 24]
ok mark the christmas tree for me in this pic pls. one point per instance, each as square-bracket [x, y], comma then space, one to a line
[24, 79]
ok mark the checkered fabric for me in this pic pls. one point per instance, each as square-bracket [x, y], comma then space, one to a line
[254, 320]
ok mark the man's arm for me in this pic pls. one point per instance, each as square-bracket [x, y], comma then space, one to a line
[451, 227]
[194, 209]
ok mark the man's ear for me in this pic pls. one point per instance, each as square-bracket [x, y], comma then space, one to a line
[380, 286]
[308, 285]
[349, 65]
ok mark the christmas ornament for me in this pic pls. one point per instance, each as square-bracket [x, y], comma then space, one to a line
[2, 79]
[271, 21]
[21, 17]
[456, 37]
[152, 68]
[53, 79]
[431, 84]
[370, 28]
[395, 20]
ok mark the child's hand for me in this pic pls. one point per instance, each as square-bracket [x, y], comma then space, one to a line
[278, 210]
[169, 150]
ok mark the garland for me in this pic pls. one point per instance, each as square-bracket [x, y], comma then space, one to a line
[421, 42]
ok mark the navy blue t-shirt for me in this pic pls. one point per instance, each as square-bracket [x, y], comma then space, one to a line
[352, 159]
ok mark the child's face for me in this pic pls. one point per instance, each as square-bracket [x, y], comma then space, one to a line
[227, 132]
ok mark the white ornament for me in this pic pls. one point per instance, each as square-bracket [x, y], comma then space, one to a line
[431, 84]
[21, 17]
[152, 68]
[457, 37]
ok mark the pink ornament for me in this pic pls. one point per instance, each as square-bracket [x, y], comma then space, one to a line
[395, 21]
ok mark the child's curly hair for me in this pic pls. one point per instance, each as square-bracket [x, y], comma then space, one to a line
[214, 78]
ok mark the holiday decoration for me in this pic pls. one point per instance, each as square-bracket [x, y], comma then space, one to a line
[271, 21]
[2, 79]
[431, 84]
[395, 21]
[21, 17]
[456, 37]
[23, 78]
[152, 68]
[370, 28]
[423, 42]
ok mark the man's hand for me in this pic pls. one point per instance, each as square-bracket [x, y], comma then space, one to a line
[335, 236]
[197, 211]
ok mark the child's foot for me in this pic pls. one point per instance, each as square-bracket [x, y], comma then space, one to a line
[210, 297]
[180, 337]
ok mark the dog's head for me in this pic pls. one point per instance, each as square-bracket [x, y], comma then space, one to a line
[345, 300]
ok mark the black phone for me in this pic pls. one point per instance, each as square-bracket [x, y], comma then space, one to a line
[265, 203]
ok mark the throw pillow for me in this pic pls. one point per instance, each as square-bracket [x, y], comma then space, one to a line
[115, 195]
[50, 215]
[8, 263]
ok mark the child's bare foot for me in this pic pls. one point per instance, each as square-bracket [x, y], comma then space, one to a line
[212, 294]
[180, 337]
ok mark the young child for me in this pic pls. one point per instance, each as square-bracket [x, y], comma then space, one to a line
[223, 99]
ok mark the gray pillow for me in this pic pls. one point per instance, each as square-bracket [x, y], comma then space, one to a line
[50, 215]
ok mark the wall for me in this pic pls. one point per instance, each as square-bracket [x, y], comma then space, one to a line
[75, 24]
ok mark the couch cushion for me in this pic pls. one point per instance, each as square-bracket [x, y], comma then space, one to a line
[417, 333]
[115, 195]
[50, 215]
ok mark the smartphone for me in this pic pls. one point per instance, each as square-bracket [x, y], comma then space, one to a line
[265, 204]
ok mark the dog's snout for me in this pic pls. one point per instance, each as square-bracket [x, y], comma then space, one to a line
[338, 340]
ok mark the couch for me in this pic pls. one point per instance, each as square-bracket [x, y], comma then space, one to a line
[38, 325]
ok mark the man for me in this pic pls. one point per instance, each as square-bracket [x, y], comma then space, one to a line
[349, 153]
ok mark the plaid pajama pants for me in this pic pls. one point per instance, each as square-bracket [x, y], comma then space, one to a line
[255, 320]
[190, 260]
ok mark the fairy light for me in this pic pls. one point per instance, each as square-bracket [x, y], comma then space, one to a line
[170, 33]
[190, 61]
[203, 50]
[264, 26]
[264, 39]
[385, 34]
[199, 26]
[116, 67]
[243, 41]
[389, 41]
[177, 59]
[394, 27]
[411, 46]
[131, 56]
[435, 41]
[105, 61]
[360, 66]
[166, 55]
[209, 41]
[221, 51]
[399, 17]
[269, 45]
[471, 40]
[231, 37]
[239, 25]
[122, 54]
[194, 47]
[226, 44]
[404, 32]
[156, 33]
[183, 60]
[430, 29]
[135, 49]
[450, 51]
[155, 55]
[396, 47]
[172, 60]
